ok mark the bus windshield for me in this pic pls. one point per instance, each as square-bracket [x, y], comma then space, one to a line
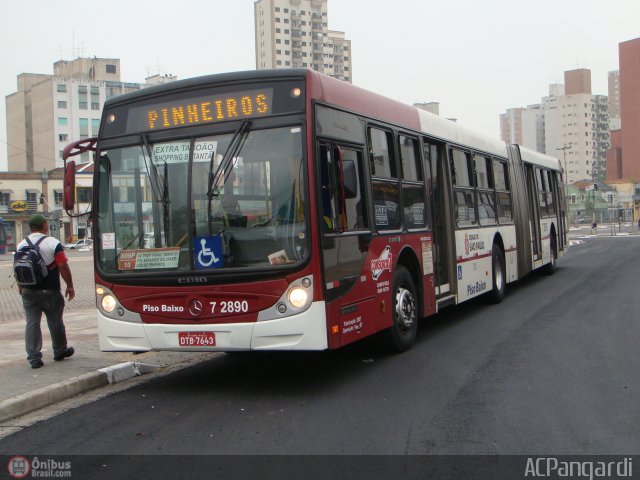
[205, 204]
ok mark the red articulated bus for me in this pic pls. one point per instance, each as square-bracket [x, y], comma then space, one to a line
[287, 210]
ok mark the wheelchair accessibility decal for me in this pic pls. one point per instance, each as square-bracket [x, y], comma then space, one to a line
[207, 252]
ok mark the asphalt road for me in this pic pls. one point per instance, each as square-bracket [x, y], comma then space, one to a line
[551, 370]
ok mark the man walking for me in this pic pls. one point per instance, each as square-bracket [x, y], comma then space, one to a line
[46, 296]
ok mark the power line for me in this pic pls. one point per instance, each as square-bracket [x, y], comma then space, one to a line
[23, 150]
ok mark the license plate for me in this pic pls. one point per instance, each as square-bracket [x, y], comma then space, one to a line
[197, 339]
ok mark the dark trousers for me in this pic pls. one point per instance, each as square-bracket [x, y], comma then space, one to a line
[51, 303]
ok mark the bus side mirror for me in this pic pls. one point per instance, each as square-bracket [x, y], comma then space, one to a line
[350, 179]
[69, 194]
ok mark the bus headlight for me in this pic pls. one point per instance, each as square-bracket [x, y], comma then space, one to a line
[298, 297]
[109, 303]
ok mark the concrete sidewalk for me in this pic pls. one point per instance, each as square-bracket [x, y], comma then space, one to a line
[23, 389]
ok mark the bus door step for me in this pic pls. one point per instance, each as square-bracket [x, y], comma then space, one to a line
[445, 301]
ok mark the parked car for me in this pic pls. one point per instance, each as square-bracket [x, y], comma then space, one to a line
[82, 243]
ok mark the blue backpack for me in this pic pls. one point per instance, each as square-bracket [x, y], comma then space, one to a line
[29, 268]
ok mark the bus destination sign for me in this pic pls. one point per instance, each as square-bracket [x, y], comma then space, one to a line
[200, 110]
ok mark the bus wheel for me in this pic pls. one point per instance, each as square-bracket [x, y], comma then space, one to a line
[550, 268]
[499, 276]
[402, 334]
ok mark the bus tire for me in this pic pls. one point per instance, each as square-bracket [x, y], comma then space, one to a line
[401, 336]
[498, 277]
[550, 268]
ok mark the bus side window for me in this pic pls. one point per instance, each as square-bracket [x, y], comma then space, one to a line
[541, 178]
[413, 194]
[464, 193]
[484, 184]
[386, 191]
[551, 204]
[503, 197]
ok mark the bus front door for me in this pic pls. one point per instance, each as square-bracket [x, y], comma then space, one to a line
[345, 241]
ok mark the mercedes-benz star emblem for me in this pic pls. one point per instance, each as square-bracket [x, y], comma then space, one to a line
[195, 307]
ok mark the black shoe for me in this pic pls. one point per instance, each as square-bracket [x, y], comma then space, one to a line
[68, 352]
[37, 364]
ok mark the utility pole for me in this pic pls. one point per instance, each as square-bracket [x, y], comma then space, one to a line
[564, 157]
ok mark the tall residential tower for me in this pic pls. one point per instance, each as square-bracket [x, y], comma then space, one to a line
[295, 34]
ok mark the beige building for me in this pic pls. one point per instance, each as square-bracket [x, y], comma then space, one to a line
[47, 112]
[614, 100]
[295, 34]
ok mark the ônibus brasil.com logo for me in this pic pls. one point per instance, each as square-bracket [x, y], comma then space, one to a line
[21, 467]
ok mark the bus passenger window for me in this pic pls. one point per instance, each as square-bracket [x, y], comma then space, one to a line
[484, 184]
[460, 168]
[542, 192]
[465, 197]
[413, 193]
[386, 192]
[486, 208]
[465, 208]
[482, 169]
[410, 158]
[551, 206]
[381, 154]
[503, 197]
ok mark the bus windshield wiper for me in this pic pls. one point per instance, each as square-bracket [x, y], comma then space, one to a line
[155, 178]
[235, 145]
[159, 197]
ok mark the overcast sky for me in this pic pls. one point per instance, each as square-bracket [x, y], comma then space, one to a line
[477, 58]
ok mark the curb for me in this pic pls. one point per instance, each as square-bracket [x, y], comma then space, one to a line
[42, 397]
[45, 396]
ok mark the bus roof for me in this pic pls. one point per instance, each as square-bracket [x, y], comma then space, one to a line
[452, 132]
[537, 158]
[351, 97]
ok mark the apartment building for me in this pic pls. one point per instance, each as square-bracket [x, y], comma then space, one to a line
[295, 34]
[613, 83]
[571, 124]
[49, 111]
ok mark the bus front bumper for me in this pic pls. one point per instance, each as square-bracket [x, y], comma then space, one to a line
[304, 331]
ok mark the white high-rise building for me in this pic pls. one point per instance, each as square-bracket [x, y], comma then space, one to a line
[571, 124]
[295, 34]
